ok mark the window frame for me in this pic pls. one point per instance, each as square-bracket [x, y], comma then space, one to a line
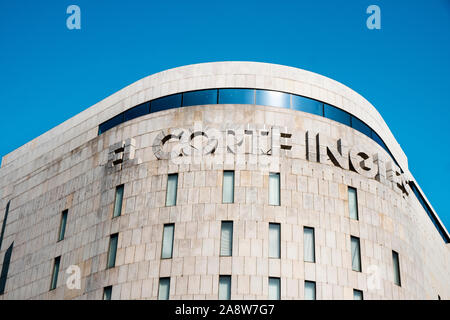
[122, 186]
[314, 286]
[159, 288]
[167, 225]
[278, 281]
[108, 257]
[167, 204]
[232, 185]
[313, 244]
[356, 203]
[359, 252]
[276, 174]
[396, 268]
[231, 238]
[62, 225]
[55, 273]
[107, 290]
[228, 278]
[278, 240]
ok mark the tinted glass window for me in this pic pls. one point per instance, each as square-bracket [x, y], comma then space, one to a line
[164, 289]
[107, 292]
[224, 287]
[164, 103]
[105, 126]
[307, 105]
[198, 98]
[378, 140]
[273, 99]
[361, 126]
[138, 111]
[310, 290]
[274, 288]
[274, 189]
[337, 114]
[237, 96]
[309, 254]
[228, 187]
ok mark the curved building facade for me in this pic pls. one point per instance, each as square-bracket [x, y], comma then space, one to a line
[227, 180]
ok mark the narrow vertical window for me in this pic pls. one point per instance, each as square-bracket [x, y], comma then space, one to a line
[62, 225]
[164, 289]
[172, 185]
[113, 240]
[224, 287]
[274, 240]
[5, 218]
[107, 293]
[55, 273]
[356, 254]
[5, 268]
[226, 239]
[396, 263]
[118, 201]
[167, 244]
[274, 288]
[357, 295]
[310, 290]
[353, 203]
[7, 255]
[274, 189]
[228, 187]
[309, 254]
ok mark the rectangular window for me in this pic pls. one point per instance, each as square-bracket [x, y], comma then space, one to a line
[201, 97]
[164, 289]
[357, 295]
[361, 127]
[274, 288]
[396, 263]
[111, 123]
[274, 240]
[273, 99]
[137, 111]
[236, 96]
[167, 244]
[310, 290]
[337, 114]
[224, 287]
[352, 203]
[309, 254]
[274, 189]
[307, 105]
[118, 201]
[165, 103]
[356, 254]
[113, 240]
[226, 239]
[107, 293]
[62, 225]
[55, 273]
[228, 187]
[172, 185]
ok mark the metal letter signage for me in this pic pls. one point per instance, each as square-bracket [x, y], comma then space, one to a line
[251, 144]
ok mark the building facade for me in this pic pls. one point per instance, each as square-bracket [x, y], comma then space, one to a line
[227, 180]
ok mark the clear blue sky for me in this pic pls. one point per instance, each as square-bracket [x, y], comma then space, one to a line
[49, 73]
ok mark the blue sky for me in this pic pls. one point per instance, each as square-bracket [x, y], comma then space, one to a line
[49, 73]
